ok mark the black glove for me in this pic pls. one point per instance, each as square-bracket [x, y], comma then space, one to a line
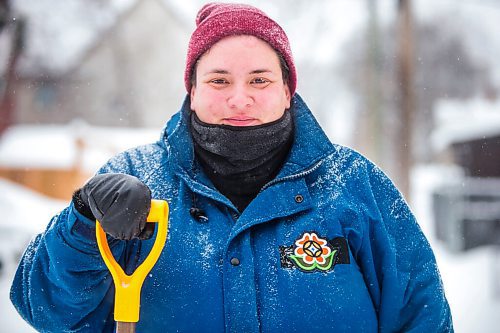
[120, 202]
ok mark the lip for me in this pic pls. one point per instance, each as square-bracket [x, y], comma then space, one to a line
[240, 121]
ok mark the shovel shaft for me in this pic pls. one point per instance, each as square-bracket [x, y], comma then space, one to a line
[124, 327]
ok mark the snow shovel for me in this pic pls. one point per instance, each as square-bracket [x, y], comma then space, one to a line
[128, 287]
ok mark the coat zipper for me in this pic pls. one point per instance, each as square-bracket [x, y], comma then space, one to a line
[291, 177]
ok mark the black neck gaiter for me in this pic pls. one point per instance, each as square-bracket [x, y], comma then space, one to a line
[241, 160]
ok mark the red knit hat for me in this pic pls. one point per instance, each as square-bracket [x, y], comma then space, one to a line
[218, 20]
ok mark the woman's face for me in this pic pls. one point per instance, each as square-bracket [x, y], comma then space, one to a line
[239, 83]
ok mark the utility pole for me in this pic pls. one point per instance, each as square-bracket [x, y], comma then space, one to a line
[14, 27]
[374, 113]
[405, 72]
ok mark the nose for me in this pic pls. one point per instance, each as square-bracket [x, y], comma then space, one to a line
[240, 98]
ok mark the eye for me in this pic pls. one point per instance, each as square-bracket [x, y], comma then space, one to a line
[260, 81]
[218, 81]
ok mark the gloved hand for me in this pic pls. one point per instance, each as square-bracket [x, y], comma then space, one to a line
[120, 202]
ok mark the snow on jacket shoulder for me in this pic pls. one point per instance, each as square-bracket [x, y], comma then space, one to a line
[329, 244]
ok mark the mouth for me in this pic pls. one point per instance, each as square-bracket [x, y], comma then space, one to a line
[241, 121]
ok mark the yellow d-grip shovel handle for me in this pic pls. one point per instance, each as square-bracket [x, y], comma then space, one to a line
[128, 287]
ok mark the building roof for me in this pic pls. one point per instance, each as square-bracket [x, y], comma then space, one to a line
[461, 121]
[68, 146]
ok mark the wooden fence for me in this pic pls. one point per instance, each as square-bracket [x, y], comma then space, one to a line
[55, 183]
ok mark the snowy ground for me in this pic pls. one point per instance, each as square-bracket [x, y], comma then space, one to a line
[18, 225]
[471, 278]
[468, 277]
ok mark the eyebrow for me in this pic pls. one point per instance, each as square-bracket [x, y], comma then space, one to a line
[223, 71]
[260, 71]
[216, 71]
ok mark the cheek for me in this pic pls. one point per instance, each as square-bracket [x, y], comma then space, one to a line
[274, 105]
[208, 106]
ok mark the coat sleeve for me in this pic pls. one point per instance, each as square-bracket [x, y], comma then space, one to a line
[62, 283]
[398, 263]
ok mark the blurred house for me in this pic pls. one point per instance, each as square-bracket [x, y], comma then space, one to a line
[479, 157]
[467, 210]
[106, 62]
[115, 63]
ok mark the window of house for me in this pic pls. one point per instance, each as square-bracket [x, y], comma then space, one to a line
[46, 95]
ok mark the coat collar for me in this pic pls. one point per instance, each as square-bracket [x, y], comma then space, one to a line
[310, 143]
[310, 146]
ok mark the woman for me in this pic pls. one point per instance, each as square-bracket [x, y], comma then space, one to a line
[272, 227]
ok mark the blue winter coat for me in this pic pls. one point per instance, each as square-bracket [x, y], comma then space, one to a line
[328, 245]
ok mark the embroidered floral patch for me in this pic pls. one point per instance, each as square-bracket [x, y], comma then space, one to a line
[312, 253]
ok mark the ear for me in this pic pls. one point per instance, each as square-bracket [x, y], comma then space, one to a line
[192, 96]
[288, 96]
